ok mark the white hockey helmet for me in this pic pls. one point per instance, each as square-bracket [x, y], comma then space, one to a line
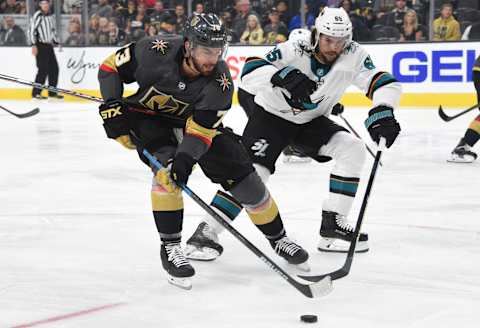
[301, 38]
[333, 22]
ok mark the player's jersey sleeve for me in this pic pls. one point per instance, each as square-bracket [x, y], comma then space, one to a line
[122, 62]
[379, 86]
[258, 71]
[213, 103]
[117, 69]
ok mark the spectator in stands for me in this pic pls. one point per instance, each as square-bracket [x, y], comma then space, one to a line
[12, 35]
[148, 3]
[140, 22]
[168, 26]
[199, 8]
[226, 17]
[131, 10]
[23, 7]
[75, 36]
[152, 31]
[282, 7]
[243, 10]
[103, 33]
[104, 9]
[180, 19]
[253, 33]
[360, 30]
[410, 30]
[93, 29]
[446, 27]
[116, 36]
[296, 21]
[472, 32]
[158, 15]
[11, 7]
[395, 17]
[71, 6]
[276, 30]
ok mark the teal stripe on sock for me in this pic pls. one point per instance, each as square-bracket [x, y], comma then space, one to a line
[227, 207]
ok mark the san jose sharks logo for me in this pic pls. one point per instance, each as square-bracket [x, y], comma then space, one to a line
[160, 46]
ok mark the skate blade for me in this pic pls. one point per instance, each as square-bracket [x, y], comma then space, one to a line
[289, 159]
[303, 267]
[183, 283]
[340, 246]
[457, 159]
[201, 253]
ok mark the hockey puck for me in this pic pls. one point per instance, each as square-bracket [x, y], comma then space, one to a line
[310, 318]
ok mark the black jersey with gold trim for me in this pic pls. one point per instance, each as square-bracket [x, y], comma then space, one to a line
[155, 64]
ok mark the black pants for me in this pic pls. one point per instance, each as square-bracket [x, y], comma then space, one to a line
[47, 67]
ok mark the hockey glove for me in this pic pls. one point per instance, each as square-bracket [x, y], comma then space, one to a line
[115, 121]
[182, 167]
[162, 177]
[337, 109]
[382, 123]
[297, 84]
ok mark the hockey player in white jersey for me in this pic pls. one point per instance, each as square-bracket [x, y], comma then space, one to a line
[294, 93]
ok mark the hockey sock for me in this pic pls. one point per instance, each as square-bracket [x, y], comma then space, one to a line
[226, 204]
[167, 210]
[473, 132]
[342, 194]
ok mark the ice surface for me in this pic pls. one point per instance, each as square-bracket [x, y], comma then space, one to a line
[76, 234]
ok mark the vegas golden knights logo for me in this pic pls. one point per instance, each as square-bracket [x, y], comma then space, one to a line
[163, 103]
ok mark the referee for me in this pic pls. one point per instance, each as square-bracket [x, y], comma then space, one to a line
[43, 37]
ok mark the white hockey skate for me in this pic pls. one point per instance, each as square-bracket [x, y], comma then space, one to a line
[203, 244]
[178, 270]
[336, 234]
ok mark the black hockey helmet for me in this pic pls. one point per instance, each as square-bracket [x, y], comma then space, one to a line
[206, 30]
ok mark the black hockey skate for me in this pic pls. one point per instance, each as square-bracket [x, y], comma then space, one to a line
[176, 265]
[462, 154]
[291, 252]
[336, 234]
[203, 244]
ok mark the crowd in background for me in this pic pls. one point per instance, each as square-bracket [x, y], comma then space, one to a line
[250, 22]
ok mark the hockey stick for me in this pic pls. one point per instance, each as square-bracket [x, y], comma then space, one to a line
[49, 88]
[350, 127]
[320, 287]
[447, 118]
[34, 111]
[345, 269]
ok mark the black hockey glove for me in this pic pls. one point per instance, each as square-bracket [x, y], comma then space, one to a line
[382, 123]
[297, 84]
[182, 167]
[114, 115]
[337, 109]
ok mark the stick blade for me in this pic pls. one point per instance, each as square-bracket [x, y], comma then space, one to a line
[34, 111]
[442, 114]
[322, 287]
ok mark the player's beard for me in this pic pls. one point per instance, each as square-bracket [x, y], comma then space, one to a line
[327, 57]
[204, 69]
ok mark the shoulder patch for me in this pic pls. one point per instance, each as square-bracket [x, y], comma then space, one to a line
[274, 55]
[224, 82]
[159, 46]
[368, 63]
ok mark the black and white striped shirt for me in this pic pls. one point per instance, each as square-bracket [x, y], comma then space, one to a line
[42, 28]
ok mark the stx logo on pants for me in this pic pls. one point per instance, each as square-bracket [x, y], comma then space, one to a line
[111, 112]
[259, 147]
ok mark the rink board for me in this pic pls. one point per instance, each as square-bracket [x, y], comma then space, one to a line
[430, 73]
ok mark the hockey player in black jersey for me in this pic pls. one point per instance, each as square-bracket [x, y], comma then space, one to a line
[185, 89]
[463, 151]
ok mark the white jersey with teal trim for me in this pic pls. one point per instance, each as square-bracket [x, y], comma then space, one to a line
[353, 67]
